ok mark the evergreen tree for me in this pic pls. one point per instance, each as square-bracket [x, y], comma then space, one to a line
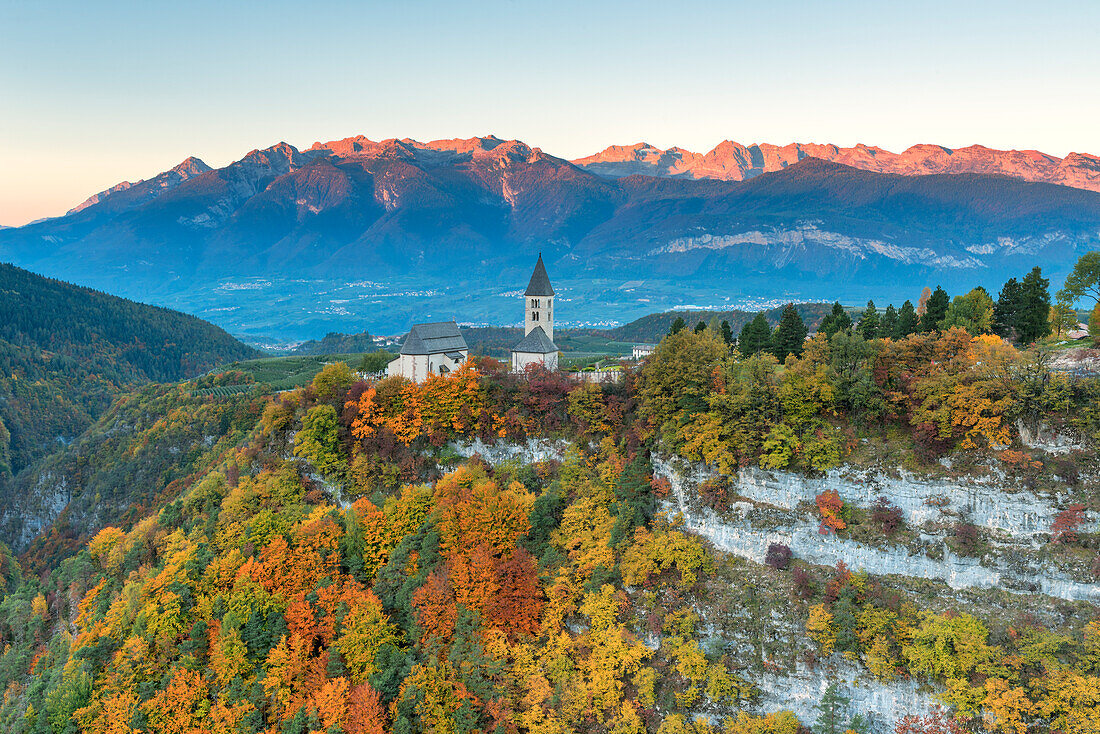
[1033, 320]
[1006, 310]
[700, 327]
[727, 333]
[837, 320]
[756, 336]
[869, 322]
[832, 709]
[935, 310]
[907, 321]
[888, 324]
[677, 325]
[789, 335]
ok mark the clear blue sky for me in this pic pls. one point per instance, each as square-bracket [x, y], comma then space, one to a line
[93, 95]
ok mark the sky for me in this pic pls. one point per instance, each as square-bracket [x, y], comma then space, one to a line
[96, 93]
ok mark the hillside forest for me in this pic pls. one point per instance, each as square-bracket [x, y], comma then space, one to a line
[351, 563]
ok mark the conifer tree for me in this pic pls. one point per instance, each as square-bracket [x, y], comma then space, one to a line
[677, 325]
[789, 334]
[888, 324]
[832, 710]
[700, 327]
[1006, 310]
[837, 320]
[869, 322]
[1033, 319]
[756, 336]
[907, 321]
[727, 332]
[935, 310]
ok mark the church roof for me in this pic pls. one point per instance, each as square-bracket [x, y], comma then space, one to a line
[536, 343]
[540, 281]
[435, 338]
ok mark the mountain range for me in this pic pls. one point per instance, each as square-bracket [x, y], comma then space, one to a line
[731, 161]
[358, 234]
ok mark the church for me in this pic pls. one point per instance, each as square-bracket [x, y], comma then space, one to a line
[537, 346]
[439, 348]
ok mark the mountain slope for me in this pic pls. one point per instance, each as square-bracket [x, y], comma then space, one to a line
[384, 224]
[66, 352]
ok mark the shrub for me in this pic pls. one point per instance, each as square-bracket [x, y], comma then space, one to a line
[802, 583]
[967, 540]
[715, 493]
[1066, 468]
[886, 515]
[779, 556]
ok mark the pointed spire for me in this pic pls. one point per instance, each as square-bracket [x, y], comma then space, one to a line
[540, 281]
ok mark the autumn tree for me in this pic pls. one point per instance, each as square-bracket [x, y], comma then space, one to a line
[1067, 523]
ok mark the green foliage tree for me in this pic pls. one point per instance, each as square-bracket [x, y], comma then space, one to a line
[908, 323]
[700, 327]
[1083, 281]
[5, 450]
[869, 321]
[789, 334]
[319, 439]
[755, 337]
[888, 324]
[677, 326]
[935, 310]
[1006, 310]
[375, 362]
[1033, 319]
[1094, 323]
[837, 320]
[973, 312]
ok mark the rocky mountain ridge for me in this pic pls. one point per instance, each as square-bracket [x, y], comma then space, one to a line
[732, 161]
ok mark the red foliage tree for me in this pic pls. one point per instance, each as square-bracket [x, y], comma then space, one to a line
[1067, 523]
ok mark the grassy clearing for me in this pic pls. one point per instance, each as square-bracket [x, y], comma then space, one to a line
[287, 373]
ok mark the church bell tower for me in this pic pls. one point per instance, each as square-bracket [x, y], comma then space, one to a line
[538, 302]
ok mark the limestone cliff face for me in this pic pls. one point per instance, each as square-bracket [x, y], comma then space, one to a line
[1013, 519]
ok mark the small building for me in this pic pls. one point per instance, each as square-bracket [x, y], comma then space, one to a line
[537, 345]
[430, 349]
[641, 351]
